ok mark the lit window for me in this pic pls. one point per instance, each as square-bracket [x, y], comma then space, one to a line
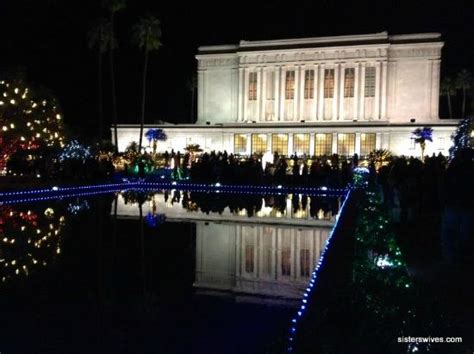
[301, 143]
[290, 85]
[305, 263]
[369, 88]
[367, 143]
[270, 85]
[329, 83]
[280, 143]
[252, 86]
[323, 144]
[309, 84]
[349, 82]
[259, 143]
[240, 143]
[346, 144]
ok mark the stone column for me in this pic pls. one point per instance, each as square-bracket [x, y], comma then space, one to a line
[290, 144]
[434, 111]
[311, 144]
[356, 91]
[296, 97]
[377, 90]
[263, 96]
[320, 92]
[315, 102]
[249, 144]
[362, 92]
[276, 94]
[282, 93]
[383, 109]
[341, 91]
[378, 141]
[201, 94]
[240, 108]
[269, 142]
[334, 143]
[357, 144]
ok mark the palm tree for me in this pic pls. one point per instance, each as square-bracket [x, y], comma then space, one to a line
[448, 89]
[421, 135]
[99, 41]
[155, 135]
[113, 6]
[192, 86]
[463, 82]
[146, 36]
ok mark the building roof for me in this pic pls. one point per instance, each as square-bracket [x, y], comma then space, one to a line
[319, 42]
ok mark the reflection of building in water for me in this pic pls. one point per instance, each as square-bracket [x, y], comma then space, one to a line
[289, 209]
[257, 259]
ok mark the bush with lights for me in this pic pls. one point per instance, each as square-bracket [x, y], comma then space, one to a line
[463, 137]
[30, 119]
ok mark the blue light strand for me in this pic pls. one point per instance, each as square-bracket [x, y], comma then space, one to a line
[312, 282]
[62, 196]
[174, 185]
[58, 190]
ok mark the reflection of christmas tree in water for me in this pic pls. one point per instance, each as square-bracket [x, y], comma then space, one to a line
[28, 240]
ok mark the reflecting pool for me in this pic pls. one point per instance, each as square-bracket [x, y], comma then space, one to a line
[145, 271]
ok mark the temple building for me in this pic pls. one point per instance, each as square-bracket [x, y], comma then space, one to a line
[315, 96]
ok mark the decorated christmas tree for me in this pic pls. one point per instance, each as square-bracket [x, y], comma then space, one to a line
[29, 119]
[463, 137]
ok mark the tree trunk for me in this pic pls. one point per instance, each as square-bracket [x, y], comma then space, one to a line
[422, 145]
[463, 101]
[449, 106]
[142, 118]
[112, 81]
[99, 95]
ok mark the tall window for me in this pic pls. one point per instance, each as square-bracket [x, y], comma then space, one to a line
[252, 86]
[270, 85]
[349, 82]
[329, 83]
[290, 85]
[346, 144]
[240, 143]
[301, 143]
[323, 144]
[367, 143]
[309, 84]
[369, 87]
[305, 263]
[259, 143]
[280, 143]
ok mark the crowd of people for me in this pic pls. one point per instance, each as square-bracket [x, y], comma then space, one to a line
[330, 171]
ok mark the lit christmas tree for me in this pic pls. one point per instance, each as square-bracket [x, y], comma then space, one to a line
[463, 137]
[29, 120]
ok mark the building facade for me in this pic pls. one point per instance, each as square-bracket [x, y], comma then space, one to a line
[315, 96]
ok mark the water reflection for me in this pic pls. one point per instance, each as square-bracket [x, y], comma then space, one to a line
[257, 260]
[30, 238]
[190, 260]
[292, 209]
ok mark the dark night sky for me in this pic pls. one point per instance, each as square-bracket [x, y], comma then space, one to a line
[48, 38]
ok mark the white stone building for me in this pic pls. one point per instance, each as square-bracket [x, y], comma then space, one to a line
[315, 96]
